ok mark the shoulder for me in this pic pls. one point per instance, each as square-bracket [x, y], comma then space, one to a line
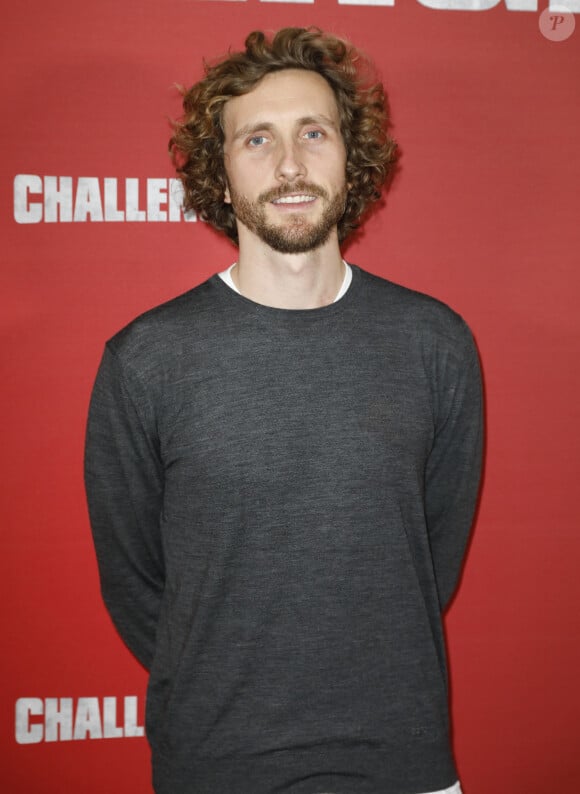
[416, 315]
[159, 332]
[405, 302]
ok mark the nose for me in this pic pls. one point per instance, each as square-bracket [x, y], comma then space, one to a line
[290, 165]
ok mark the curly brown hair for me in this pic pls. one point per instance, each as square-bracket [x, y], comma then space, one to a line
[197, 144]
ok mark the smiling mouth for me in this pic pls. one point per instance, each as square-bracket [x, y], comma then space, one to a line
[300, 199]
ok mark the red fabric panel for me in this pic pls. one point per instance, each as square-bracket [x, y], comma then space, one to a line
[484, 215]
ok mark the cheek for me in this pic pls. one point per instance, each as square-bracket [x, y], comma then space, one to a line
[242, 177]
[336, 167]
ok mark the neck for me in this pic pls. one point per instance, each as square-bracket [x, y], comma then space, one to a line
[289, 281]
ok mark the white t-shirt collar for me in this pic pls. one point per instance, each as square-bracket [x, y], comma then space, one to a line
[226, 276]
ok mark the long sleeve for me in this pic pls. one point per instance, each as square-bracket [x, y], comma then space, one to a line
[124, 485]
[453, 469]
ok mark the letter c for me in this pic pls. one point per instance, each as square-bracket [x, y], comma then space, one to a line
[25, 732]
[24, 212]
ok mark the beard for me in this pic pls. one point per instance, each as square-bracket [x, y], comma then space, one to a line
[294, 234]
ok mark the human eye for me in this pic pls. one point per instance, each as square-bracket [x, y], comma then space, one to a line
[254, 141]
[313, 135]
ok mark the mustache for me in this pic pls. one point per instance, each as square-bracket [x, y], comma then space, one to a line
[306, 188]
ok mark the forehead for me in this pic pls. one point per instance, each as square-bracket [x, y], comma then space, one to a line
[282, 97]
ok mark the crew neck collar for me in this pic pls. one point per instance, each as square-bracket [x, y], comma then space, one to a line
[226, 276]
[346, 293]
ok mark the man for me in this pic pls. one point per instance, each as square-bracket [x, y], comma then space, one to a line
[282, 464]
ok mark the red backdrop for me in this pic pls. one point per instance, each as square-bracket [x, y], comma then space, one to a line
[484, 215]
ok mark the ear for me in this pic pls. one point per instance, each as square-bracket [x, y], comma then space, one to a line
[227, 194]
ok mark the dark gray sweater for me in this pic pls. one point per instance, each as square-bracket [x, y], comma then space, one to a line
[280, 502]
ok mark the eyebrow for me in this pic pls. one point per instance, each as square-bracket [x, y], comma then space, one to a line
[250, 129]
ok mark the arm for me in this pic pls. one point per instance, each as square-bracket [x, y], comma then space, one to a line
[124, 485]
[453, 469]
